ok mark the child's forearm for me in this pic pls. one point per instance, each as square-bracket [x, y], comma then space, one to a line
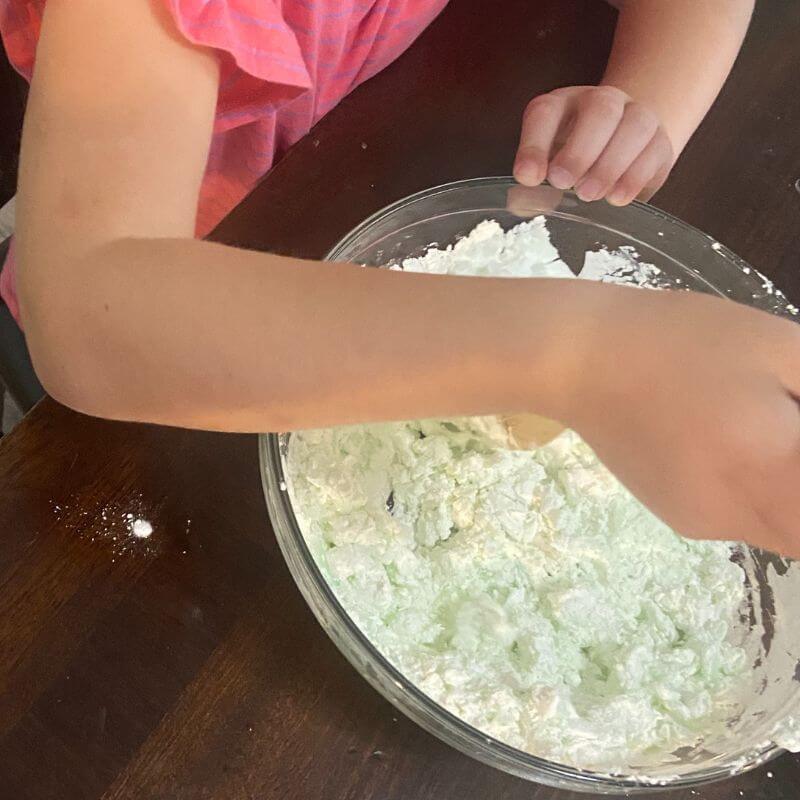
[128, 317]
[674, 56]
[196, 334]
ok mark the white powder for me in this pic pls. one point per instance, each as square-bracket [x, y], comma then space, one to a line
[526, 591]
[523, 252]
[141, 528]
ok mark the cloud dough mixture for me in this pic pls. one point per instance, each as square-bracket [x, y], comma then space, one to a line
[526, 591]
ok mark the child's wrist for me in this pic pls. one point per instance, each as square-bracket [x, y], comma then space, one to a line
[565, 340]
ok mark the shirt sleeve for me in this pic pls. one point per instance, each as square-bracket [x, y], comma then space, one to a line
[262, 58]
[259, 51]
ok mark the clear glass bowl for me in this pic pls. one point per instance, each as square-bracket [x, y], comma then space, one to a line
[688, 259]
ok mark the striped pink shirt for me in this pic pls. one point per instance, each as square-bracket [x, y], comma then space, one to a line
[284, 65]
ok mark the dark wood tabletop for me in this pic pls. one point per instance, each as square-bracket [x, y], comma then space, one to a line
[187, 665]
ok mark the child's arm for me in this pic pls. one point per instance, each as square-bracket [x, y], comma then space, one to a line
[620, 140]
[128, 317]
[674, 57]
[689, 399]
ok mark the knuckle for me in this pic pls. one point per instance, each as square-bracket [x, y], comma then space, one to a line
[609, 94]
[604, 100]
[601, 106]
[642, 119]
[543, 103]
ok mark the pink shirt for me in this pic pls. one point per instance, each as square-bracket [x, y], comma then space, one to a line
[284, 65]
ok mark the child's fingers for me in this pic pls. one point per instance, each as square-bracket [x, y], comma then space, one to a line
[660, 178]
[652, 186]
[645, 171]
[540, 124]
[635, 130]
[598, 114]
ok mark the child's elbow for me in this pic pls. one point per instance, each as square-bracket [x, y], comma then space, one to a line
[62, 375]
[66, 368]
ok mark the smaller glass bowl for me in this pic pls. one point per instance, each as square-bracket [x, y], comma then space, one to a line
[688, 259]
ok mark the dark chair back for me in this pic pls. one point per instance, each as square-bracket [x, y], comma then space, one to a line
[16, 369]
[13, 96]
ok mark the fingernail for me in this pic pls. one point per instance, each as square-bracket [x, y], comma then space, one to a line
[560, 178]
[617, 198]
[589, 189]
[527, 173]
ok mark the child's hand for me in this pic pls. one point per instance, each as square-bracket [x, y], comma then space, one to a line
[596, 139]
[692, 402]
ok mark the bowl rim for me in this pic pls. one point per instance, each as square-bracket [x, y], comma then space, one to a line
[763, 293]
[381, 674]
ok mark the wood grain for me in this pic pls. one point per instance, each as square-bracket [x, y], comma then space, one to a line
[187, 665]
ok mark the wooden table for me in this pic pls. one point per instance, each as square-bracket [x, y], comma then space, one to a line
[187, 665]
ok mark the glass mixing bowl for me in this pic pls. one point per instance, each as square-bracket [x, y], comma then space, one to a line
[688, 259]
